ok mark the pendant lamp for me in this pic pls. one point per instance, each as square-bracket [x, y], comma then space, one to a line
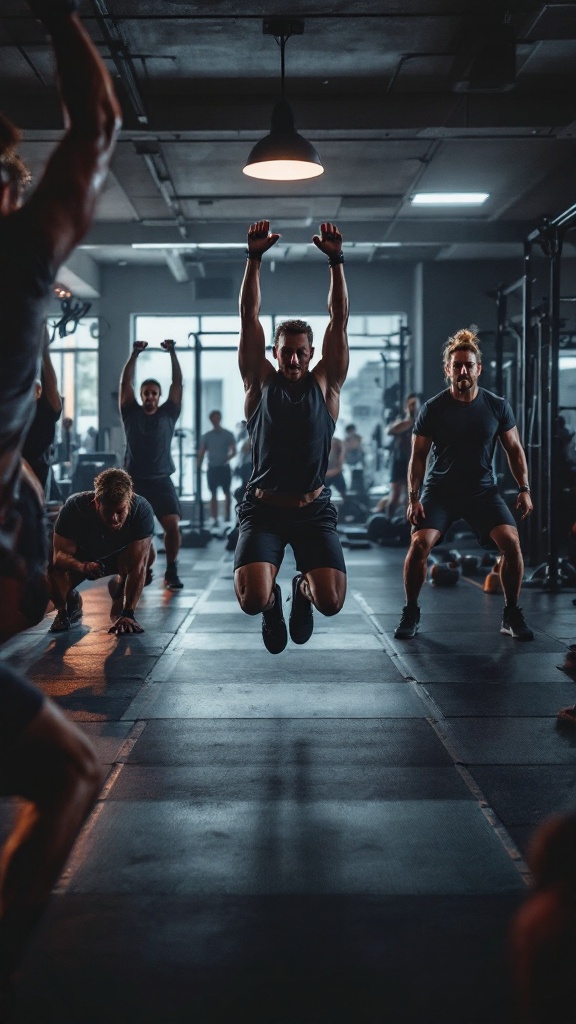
[283, 155]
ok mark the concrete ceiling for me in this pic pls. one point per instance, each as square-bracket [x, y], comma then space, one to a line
[396, 96]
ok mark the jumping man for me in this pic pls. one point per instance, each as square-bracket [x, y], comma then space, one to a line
[291, 413]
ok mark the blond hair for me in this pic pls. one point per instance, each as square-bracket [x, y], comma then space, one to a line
[465, 340]
[113, 487]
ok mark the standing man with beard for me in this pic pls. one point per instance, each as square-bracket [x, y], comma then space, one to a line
[462, 425]
[149, 431]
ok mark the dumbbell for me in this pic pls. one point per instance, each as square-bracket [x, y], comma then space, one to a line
[470, 565]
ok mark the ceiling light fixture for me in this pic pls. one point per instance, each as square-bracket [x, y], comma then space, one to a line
[187, 245]
[283, 155]
[449, 198]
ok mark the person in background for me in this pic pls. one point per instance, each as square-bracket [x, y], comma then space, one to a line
[401, 433]
[149, 428]
[460, 427]
[354, 458]
[220, 445]
[104, 532]
[90, 440]
[334, 474]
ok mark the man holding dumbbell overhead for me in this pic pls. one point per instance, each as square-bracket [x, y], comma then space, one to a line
[291, 413]
[149, 429]
[462, 425]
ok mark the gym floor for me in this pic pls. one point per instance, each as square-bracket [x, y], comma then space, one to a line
[335, 833]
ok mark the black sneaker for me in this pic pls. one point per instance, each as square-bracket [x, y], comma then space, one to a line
[74, 607]
[408, 625]
[172, 580]
[61, 623]
[301, 621]
[514, 623]
[274, 632]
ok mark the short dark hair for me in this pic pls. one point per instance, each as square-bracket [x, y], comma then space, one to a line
[113, 486]
[150, 380]
[215, 412]
[13, 170]
[293, 327]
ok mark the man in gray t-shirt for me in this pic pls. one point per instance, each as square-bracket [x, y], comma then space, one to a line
[220, 445]
[149, 429]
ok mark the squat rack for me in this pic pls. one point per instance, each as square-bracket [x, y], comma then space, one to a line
[539, 379]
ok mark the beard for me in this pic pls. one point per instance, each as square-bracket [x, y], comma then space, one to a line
[464, 384]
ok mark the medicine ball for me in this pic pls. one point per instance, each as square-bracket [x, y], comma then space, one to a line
[443, 575]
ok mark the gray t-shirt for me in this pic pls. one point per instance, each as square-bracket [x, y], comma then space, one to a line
[217, 444]
[148, 440]
[464, 436]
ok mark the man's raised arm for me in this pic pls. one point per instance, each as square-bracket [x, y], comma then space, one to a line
[333, 367]
[64, 200]
[127, 396]
[175, 393]
[252, 351]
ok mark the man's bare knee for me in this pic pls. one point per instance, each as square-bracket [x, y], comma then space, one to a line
[252, 598]
[252, 604]
[326, 591]
[419, 548]
[330, 604]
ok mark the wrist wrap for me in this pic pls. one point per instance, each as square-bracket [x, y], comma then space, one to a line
[127, 613]
[253, 256]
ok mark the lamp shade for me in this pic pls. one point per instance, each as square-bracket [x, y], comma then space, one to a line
[283, 155]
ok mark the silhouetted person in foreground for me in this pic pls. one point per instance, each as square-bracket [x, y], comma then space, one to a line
[543, 931]
[44, 759]
[40, 437]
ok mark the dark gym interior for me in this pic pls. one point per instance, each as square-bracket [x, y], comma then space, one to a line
[339, 832]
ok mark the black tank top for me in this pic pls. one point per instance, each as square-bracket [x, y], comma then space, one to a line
[290, 431]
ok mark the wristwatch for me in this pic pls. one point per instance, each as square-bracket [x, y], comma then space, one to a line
[524, 489]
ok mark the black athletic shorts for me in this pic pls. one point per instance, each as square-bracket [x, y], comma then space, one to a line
[219, 476]
[399, 471]
[265, 530]
[161, 494]
[483, 513]
[19, 704]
